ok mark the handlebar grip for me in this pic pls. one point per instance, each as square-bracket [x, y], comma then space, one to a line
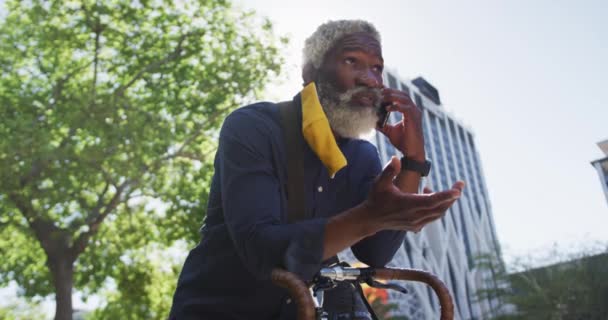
[445, 299]
[298, 291]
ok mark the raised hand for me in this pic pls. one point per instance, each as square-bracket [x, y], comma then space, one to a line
[406, 135]
[389, 208]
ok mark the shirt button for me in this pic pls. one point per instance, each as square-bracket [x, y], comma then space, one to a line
[320, 189]
[288, 301]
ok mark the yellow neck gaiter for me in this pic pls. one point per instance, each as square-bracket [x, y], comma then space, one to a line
[317, 132]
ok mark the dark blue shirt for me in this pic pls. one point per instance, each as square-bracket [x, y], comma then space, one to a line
[246, 234]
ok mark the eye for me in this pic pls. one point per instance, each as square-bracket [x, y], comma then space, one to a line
[378, 68]
[349, 60]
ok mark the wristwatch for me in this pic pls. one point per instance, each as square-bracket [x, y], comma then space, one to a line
[412, 165]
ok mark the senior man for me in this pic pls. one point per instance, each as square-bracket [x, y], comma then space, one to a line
[352, 201]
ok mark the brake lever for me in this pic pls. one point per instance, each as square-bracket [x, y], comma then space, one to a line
[377, 284]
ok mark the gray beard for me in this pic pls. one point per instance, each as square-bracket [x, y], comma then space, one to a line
[345, 118]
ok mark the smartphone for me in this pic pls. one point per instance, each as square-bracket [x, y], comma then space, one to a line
[383, 115]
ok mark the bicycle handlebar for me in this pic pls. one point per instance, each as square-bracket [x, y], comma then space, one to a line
[442, 292]
[298, 291]
[305, 304]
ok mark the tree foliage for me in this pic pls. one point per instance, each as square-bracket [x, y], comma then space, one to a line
[572, 289]
[20, 310]
[110, 112]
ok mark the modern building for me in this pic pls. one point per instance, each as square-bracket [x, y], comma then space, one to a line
[601, 165]
[448, 247]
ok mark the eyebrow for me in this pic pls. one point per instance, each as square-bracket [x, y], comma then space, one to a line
[355, 47]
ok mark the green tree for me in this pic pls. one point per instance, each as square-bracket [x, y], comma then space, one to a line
[18, 309]
[574, 288]
[495, 290]
[110, 112]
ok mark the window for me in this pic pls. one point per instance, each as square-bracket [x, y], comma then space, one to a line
[453, 279]
[465, 236]
[450, 162]
[405, 88]
[431, 296]
[418, 101]
[408, 250]
[392, 81]
[469, 296]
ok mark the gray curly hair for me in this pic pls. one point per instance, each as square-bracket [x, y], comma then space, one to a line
[326, 35]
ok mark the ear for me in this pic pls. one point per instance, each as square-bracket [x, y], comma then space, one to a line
[309, 73]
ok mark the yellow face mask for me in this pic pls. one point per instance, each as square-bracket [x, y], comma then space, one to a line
[317, 132]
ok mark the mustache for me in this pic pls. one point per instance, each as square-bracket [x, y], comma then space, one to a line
[347, 117]
[374, 93]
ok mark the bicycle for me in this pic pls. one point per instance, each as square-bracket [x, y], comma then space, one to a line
[309, 298]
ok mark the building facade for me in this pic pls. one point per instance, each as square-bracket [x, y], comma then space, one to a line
[448, 247]
[601, 165]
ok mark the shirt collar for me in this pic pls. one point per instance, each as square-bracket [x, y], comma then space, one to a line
[317, 132]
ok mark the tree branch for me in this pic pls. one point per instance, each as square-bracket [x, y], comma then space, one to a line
[142, 194]
[98, 29]
[16, 225]
[42, 228]
[58, 87]
[42, 68]
[156, 64]
[180, 151]
[39, 165]
[87, 16]
[191, 156]
[97, 215]
[101, 196]
[96, 218]
[93, 212]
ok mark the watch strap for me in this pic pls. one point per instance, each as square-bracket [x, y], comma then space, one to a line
[417, 166]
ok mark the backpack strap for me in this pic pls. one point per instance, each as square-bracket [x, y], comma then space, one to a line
[291, 121]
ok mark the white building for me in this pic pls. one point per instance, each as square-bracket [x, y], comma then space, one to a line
[601, 165]
[447, 247]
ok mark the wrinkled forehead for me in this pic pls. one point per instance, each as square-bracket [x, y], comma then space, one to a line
[358, 41]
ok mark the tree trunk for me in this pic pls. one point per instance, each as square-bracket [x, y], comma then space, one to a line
[62, 271]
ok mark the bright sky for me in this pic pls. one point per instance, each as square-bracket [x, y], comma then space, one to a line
[527, 76]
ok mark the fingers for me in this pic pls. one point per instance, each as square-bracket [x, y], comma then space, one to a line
[431, 200]
[403, 107]
[429, 215]
[422, 218]
[390, 130]
[414, 211]
[397, 100]
[390, 95]
[388, 173]
[459, 185]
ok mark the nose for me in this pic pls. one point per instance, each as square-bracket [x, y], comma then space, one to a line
[369, 79]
